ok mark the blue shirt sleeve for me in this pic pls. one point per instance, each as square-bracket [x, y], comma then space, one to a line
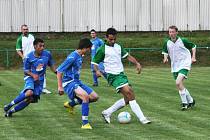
[66, 64]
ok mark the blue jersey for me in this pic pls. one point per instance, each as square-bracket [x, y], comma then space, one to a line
[97, 42]
[37, 65]
[71, 67]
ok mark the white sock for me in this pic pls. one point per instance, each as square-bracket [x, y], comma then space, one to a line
[137, 110]
[116, 106]
[183, 96]
[189, 97]
[44, 84]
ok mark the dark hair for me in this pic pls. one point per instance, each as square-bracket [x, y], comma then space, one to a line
[84, 43]
[24, 25]
[111, 31]
[173, 27]
[92, 30]
[38, 40]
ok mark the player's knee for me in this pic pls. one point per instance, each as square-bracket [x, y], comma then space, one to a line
[95, 98]
[29, 93]
[85, 98]
[178, 84]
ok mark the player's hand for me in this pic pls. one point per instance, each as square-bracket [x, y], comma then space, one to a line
[165, 60]
[193, 60]
[98, 73]
[35, 77]
[138, 68]
[60, 91]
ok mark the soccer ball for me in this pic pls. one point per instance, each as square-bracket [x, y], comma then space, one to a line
[124, 117]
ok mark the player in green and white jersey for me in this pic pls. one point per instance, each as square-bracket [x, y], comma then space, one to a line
[111, 55]
[24, 46]
[181, 59]
[24, 43]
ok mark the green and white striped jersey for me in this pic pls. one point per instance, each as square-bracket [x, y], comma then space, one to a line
[111, 57]
[25, 44]
[179, 53]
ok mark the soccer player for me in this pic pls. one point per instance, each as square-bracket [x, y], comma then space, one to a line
[179, 51]
[35, 64]
[97, 43]
[24, 46]
[68, 75]
[111, 54]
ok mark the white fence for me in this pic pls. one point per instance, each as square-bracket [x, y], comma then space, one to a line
[83, 15]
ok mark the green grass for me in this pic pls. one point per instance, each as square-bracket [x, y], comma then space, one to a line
[155, 92]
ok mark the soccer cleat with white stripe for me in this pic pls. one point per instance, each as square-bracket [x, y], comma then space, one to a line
[107, 117]
[145, 121]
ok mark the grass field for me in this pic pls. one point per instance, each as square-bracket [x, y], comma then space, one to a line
[155, 91]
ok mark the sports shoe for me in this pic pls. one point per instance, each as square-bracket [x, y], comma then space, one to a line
[45, 91]
[106, 117]
[6, 108]
[95, 84]
[145, 121]
[86, 126]
[8, 114]
[69, 108]
[191, 105]
[184, 107]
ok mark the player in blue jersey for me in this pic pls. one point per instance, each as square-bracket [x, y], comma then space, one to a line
[68, 75]
[35, 64]
[97, 43]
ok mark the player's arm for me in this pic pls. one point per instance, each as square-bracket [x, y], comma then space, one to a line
[19, 47]
[194, 55]
[165, 52]
[135, 62]
[190, 46]
[51, 64]
[59, 80]
[27, 70]
[61, 69]
[99, 57]
[165, 58]
[96, 69]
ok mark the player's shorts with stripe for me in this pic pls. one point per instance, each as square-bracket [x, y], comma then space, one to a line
[117, 80]
[183, 72]
[35, 86]
[70, 86]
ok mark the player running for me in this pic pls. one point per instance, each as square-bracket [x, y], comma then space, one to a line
[68, 75]
[111, 54]
[35, 64]
[179, 51]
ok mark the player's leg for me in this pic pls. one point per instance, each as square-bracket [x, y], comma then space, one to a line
[69, 90]
[22, 96]
[116, 81]
[83, 95]
[130, 97]
[18, 107]
[186, 98]
[95, 78]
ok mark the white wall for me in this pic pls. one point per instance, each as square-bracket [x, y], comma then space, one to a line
[84, 15]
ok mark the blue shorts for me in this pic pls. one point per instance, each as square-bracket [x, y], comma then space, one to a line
[70, 87]
[35, 86]
[100, 67]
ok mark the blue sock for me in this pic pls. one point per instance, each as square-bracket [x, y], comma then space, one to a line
[18, 99]
[19, 107]
[85, 112]
[95, 78]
